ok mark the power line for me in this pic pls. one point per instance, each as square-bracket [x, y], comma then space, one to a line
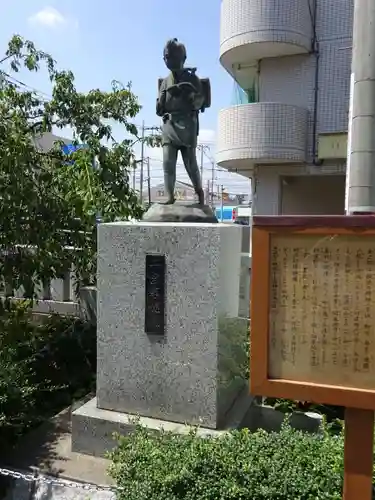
[219, 169]
[18, 83]
[11, 79]
[204, 146]
[22, 84]
[206, 168]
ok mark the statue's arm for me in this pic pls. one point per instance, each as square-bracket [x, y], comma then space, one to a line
[160, 101]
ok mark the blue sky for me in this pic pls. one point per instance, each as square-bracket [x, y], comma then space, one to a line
[123, 40]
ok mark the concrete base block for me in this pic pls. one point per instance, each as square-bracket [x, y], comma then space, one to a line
[93, 428]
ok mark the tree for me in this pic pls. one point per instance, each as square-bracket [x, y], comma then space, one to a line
[50, 200]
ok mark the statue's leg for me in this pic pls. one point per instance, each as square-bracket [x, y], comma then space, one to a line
[169, 166]
[190, 161]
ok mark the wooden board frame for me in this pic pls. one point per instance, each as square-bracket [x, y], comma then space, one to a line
[260, 383]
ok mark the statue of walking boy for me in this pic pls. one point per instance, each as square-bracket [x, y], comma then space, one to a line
[181, 96]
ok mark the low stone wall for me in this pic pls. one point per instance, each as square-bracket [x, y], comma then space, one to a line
[267, 418]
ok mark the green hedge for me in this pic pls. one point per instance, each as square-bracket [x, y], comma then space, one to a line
[42, 367]
[289, 465]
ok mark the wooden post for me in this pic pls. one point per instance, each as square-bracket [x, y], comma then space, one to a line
[358, 455]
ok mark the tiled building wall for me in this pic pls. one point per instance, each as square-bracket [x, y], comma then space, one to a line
[292, 80]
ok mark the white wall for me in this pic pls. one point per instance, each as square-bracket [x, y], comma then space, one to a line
[313, 195]
[311, 190]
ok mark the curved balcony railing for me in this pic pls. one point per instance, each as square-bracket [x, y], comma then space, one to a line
[256, 29]
[265, 132]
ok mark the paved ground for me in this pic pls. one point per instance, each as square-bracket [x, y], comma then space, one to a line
[48, 450]
[43, 491]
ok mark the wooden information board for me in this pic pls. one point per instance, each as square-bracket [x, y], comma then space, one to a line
[313, 322]
[313, 310]
[322, 308]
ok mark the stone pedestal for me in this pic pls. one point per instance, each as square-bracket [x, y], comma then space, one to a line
[194, 372]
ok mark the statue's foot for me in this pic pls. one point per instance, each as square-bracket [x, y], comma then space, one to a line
[200, 197]
[170, 201]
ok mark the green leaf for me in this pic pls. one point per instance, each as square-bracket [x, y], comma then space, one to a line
[45, 194]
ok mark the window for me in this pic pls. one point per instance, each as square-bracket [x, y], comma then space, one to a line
[251, 94]
[246, 89]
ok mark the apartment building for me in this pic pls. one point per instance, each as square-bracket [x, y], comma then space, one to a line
[292, 58]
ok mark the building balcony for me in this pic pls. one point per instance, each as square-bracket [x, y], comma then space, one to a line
[252, 30]
[261, 133]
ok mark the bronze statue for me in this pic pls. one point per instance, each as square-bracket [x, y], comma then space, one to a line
[182, 95]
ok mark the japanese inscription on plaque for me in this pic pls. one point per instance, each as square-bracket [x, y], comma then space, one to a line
[322, 309]
[155, 295]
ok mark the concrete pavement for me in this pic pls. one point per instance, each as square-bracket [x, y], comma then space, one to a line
[47, 451]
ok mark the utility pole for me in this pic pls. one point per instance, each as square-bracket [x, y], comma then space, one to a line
[360, 171]
[134, 169]
[148, 180]
[142, 160]
[202, 148]
[222, 202]
[360, 199]
[208, 191]
[212, 181]
[202, 158]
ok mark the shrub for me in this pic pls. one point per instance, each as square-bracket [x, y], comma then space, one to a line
[42, 367]
[240, 465]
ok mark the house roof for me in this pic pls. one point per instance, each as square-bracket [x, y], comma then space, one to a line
[178, 183]
[46, 141]
[184, 184]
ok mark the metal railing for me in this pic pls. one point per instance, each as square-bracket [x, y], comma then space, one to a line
[54, 296]
[36, 480]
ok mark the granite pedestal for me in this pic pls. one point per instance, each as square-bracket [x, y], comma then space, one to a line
[192, 374]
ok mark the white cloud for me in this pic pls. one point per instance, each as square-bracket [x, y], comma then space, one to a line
[50, 18]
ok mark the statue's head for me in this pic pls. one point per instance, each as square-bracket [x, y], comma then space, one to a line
[174, 54]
